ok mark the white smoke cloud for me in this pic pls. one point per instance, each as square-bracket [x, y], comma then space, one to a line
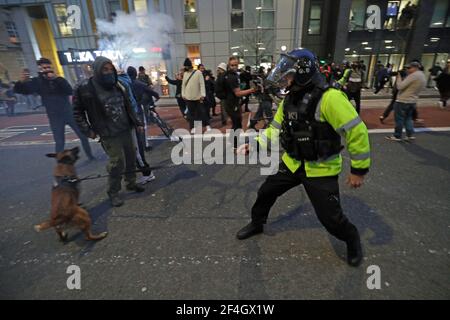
[132, 37]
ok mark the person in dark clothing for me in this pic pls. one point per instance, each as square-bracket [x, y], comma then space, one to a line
[103, 107]
[382, 79]
[9, 98]
[234, 92]
[434, 73]
[55, 93]
[128, 80]
[144, 94]
[245, 77]
[210, 100]
[443, 84]
[143, 77]
[178, 82]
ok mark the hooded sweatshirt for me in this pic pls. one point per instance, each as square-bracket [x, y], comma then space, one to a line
[111, 98]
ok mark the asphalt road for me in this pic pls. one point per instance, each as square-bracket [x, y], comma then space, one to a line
[177, 240]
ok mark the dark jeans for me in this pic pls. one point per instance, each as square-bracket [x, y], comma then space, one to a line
[10, 108]
[390, 108]
[245, 101]
[380, 85]
[141, 144]
[357, 97]
[264, 108]
[223, 112]
[182, 106]
[197, 113]
[236, 118]
[404, 118]
[122, 158]
[58, 126]
[323, 193]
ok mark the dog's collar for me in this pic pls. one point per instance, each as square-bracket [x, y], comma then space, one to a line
[69, 181]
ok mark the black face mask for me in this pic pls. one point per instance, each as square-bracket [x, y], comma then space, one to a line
[108, 80]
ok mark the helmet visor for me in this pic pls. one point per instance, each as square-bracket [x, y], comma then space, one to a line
[279, 75]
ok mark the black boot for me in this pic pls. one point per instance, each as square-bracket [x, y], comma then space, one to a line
[135, 187]
[115, 199]
[250, 230]
[354, 251]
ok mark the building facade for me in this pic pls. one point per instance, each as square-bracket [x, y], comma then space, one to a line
[209, 31]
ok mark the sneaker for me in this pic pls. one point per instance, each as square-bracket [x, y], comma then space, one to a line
[135, 188]
[381, 119]
[115, 199]
[411, 138]
[419, 120]
[147, 179]
[393, 138]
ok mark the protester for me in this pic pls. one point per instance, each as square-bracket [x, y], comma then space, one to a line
[103, 107]
[194, 93]
[143, 77]
[443, 85]
[406, 102]
[55, 93]
[233, 93]
[219, 90]
[178, 82]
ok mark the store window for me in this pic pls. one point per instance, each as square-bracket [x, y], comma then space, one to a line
[190, 15]
[12, 32]
[61, 18]
[193, 53]
[440, 14]
[315, 15]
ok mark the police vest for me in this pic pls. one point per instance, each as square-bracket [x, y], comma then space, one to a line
[302, 136]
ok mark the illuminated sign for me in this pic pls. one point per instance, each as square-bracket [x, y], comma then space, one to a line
[71, 57]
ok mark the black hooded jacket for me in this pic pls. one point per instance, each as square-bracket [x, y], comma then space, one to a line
[90, 113]
[142, 91]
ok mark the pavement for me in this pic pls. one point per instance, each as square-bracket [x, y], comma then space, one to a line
[366, 94]
[177, 239]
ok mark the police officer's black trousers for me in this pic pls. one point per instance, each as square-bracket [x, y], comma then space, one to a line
[323, 193]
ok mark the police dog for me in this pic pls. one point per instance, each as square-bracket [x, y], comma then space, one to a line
[65, 209]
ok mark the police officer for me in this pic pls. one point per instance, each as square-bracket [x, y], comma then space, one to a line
[309, 124]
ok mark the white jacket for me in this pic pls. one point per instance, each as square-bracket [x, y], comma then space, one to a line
[195, 89]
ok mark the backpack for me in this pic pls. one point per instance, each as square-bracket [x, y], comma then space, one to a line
[221, 86]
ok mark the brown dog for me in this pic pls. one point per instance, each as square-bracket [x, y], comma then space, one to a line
[65, 211]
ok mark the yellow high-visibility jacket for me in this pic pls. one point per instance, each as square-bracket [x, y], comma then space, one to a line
[334, 108]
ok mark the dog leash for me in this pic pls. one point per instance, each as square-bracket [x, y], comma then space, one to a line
[99, 176]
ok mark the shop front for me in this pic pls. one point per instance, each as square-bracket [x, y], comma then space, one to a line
[78, 64]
